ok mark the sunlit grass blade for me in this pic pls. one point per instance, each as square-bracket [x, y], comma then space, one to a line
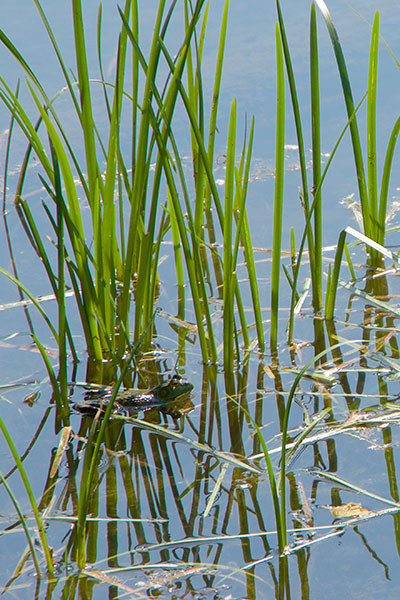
[333, 278]
[229, 286]
[62, 319]
[373, 244]
[193, 122]
[278, 198]
[385, 182]
[348, 98]
[316, 265]
[107, 253]
[192, 256]
[196, 100]
[371, 130]
[299, 131]
[193, 278]
[139, 183]
[166, 108]
[93, 341]
[215, 96]
[85, 98]
[296, 268]
[243, 234]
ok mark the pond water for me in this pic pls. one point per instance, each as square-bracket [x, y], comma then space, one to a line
[182, 508]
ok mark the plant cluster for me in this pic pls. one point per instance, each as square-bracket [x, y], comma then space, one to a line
[138, 197]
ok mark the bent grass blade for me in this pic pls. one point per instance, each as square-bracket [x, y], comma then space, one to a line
[31, 542]
[42, 535]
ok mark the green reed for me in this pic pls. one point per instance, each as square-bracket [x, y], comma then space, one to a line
[103, 277]
[128, 225]
[279, 182]
[39, 523]
[313, 229]
[126, 244]
[373, 204]
[30, 540]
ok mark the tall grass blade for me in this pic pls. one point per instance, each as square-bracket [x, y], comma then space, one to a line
[387, 168]
[371, 130]
[85, 98]
[215, 96]
[62, 326]
[316, 163]
[348, 98]
[296, 269]
[243, 234]
[229, 285]
[278, 197]
[299, 132]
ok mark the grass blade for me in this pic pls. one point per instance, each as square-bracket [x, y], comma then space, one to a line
[31, 542]
[348, 98]
[316, 270]
[387, 168]
[29, 491]
[278, 197]
[371, 130]
[229, 286]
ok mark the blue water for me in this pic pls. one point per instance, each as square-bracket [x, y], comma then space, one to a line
[353, 565]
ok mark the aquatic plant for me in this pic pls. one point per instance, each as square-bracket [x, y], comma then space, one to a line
[115, 279]
[122, 189]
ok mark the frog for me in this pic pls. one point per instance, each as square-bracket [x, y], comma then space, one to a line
[169, 396]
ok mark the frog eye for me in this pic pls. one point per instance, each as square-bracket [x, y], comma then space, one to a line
[175, 381]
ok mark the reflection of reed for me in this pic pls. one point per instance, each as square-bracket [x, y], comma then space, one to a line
[152, 482]
[154, 476]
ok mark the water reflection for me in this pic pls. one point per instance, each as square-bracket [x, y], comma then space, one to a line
[182, 508]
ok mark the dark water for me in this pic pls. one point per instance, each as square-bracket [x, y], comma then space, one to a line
[149, 536]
